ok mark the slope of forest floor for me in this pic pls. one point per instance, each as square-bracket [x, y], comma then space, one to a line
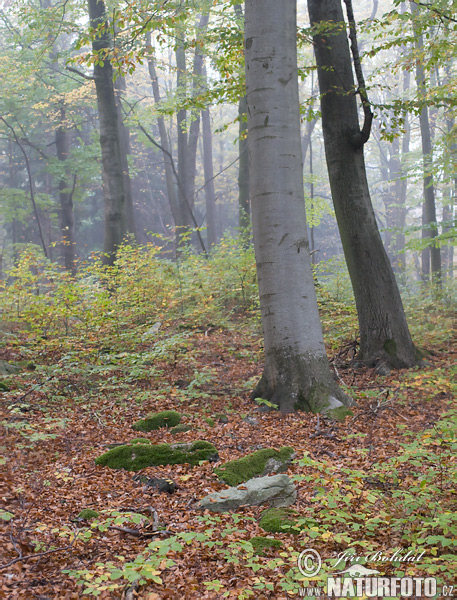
[382, 479]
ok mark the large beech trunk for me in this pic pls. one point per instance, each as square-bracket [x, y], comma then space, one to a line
[296, 373]
[113, 181]
[384, 334]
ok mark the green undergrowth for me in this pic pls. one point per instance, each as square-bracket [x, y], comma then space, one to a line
[405, 503]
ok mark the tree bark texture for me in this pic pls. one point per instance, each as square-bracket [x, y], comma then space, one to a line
[113, 181]
[296, 372]
[384, 334]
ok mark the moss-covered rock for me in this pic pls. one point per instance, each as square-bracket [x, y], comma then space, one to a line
[4, 387]
[221, 418]
[340, 413]
[209, 421]
[166, 418]
[139, 456]
[88, 513]
[140, 441]
[181, 428]
[260, 544]
[279, 520]
[257, 464]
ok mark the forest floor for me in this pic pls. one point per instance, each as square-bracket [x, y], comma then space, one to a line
[56, 419]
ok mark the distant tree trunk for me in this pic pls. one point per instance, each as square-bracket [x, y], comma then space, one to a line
[67, 223]
[113, 181]
[208, 170]
[166, 150]
[124, 140]
[431, 256]
[244, 209]
[384, 334]
[296, 373]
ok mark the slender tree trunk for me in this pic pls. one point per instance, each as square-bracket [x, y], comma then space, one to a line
[113, 180]
[244, 208]
[166, 149]
[67, 222]
[384, 334]
[211, 235]
[431, 256]
[296, 373]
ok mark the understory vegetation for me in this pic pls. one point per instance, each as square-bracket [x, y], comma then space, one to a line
[85, 358]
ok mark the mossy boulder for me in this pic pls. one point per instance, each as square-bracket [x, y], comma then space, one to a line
[134, 457]
[340, 413]
[166, 418]
[181, 428]
[209, 421]
[140, 441]
[260, 544]
[257, 464]
[279, 520]
[88, 513]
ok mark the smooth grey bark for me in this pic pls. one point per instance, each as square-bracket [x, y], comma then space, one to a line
[431, 255]
[244, 208]
[113, 181]
[210, 197]
[384, 334]
[296, 373]
[66, 218]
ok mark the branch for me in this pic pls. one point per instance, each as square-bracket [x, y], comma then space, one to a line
[435, 10]
[32, 194]
[39, 554]
[360, 139]
[178, 181]
[80, 73]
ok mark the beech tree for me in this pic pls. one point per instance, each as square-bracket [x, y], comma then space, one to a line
[113, 178]
[296, 372]
[384, 335]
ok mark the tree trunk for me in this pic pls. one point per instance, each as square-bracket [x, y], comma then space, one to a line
[384, 334]
[431, 255]
[244, 209]
[296, 373]
[211, 235]
[166, 150]
[67, 223]
[113, 181]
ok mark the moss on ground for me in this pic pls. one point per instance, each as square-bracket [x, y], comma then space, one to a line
[166, 418]
[260, 544]
[253, 465]
[139, 456]
[279, 520]
[88, 513]
[140, 441]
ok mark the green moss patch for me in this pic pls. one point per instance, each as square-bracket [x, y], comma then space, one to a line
[140, 441]
[340, 413]
[260, 544]
[88, 513]
[139, 456]
[166, 418]
[253, 465]
[279, 520]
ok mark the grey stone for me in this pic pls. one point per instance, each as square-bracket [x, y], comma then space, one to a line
[251, 420]
[276, 490]
[274, 465]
